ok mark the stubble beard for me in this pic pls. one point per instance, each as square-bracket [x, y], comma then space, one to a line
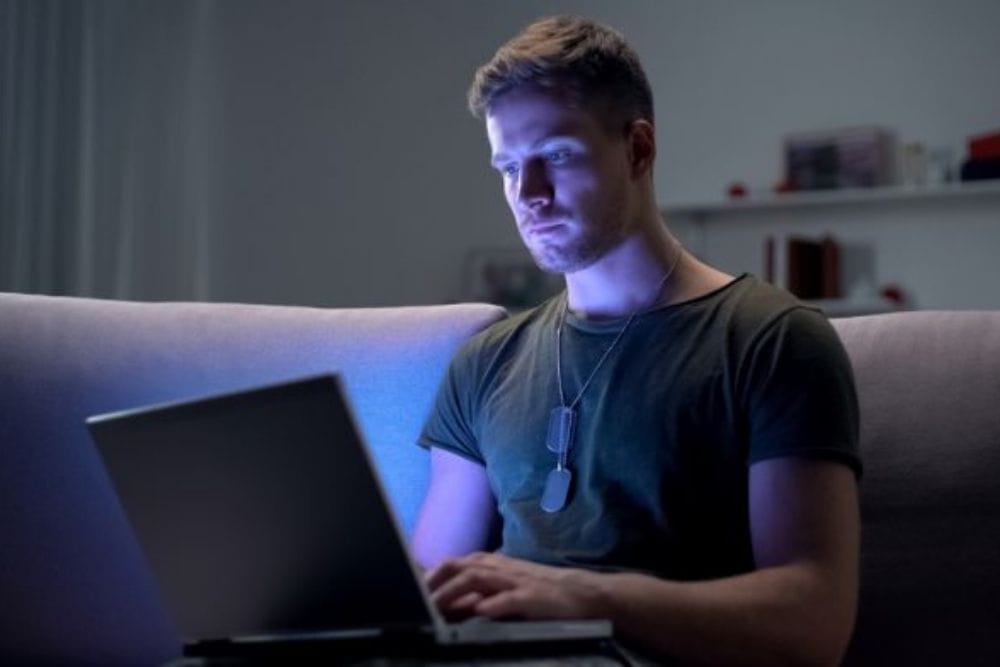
[592, 242]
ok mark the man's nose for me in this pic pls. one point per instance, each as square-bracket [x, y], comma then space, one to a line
[534, 187]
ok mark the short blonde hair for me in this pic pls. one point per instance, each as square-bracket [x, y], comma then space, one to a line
[590, 62]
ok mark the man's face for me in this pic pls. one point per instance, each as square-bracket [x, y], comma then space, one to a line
[565, 177]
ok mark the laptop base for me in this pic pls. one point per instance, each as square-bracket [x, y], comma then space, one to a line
[409, 648]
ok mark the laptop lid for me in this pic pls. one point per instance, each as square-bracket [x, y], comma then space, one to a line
[260, 513]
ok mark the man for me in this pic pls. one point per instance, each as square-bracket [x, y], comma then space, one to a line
[663, 445]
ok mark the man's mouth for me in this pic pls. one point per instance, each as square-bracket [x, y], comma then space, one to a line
[541, 227]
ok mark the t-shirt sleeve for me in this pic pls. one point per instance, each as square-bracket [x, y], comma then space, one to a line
[451, 423]
[799, 392]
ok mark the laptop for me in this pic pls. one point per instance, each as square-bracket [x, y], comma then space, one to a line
[263, 522]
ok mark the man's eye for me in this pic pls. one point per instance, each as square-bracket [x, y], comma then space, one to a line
[557, 157]
[508, 169]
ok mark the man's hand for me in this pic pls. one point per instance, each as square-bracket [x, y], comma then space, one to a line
[797, 608]
[485, 584]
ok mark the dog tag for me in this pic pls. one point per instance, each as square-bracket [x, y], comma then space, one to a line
[562, 421]
[556, 489]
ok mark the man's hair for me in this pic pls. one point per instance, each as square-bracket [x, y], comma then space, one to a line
[590, 62]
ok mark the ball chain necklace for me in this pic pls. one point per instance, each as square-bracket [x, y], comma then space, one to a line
[562, 419]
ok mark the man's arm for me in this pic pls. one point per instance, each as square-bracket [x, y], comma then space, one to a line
[797, 607]
[458, 515]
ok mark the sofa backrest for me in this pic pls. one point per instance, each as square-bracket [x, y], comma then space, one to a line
[72, 584]
[929, 388]
[73, 587]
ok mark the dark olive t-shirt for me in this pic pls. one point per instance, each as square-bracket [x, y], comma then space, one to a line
[691, 396]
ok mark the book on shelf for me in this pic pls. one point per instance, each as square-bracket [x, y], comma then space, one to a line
[811, 266]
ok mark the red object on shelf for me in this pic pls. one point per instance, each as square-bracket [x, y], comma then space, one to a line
[894, 293]
[985, 146]
[737, 190]
[783, 186]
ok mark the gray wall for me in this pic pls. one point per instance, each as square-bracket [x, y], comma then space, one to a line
[353, 174]
[325, 156]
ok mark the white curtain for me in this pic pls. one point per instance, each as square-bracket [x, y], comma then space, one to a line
[106, 154]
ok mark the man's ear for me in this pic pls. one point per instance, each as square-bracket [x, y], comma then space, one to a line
[641, 138]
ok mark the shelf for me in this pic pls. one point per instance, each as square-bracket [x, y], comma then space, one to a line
[825, 198]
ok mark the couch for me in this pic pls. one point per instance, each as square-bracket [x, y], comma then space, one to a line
[73, 588]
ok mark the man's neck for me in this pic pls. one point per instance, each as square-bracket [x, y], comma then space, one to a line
[628, 278]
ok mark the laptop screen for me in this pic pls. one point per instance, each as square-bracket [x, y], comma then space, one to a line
[260, 513]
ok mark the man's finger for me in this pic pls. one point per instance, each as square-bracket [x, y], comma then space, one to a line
[453, 566]
[472, 580]
[516, 602]
[463, 608]
[441, 574]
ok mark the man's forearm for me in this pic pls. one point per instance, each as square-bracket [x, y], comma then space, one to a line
[791, 614]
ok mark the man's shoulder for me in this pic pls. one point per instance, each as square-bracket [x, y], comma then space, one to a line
[747, 314]
[512, 332]
[765, 324]
[754, 297]
[753, 306]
